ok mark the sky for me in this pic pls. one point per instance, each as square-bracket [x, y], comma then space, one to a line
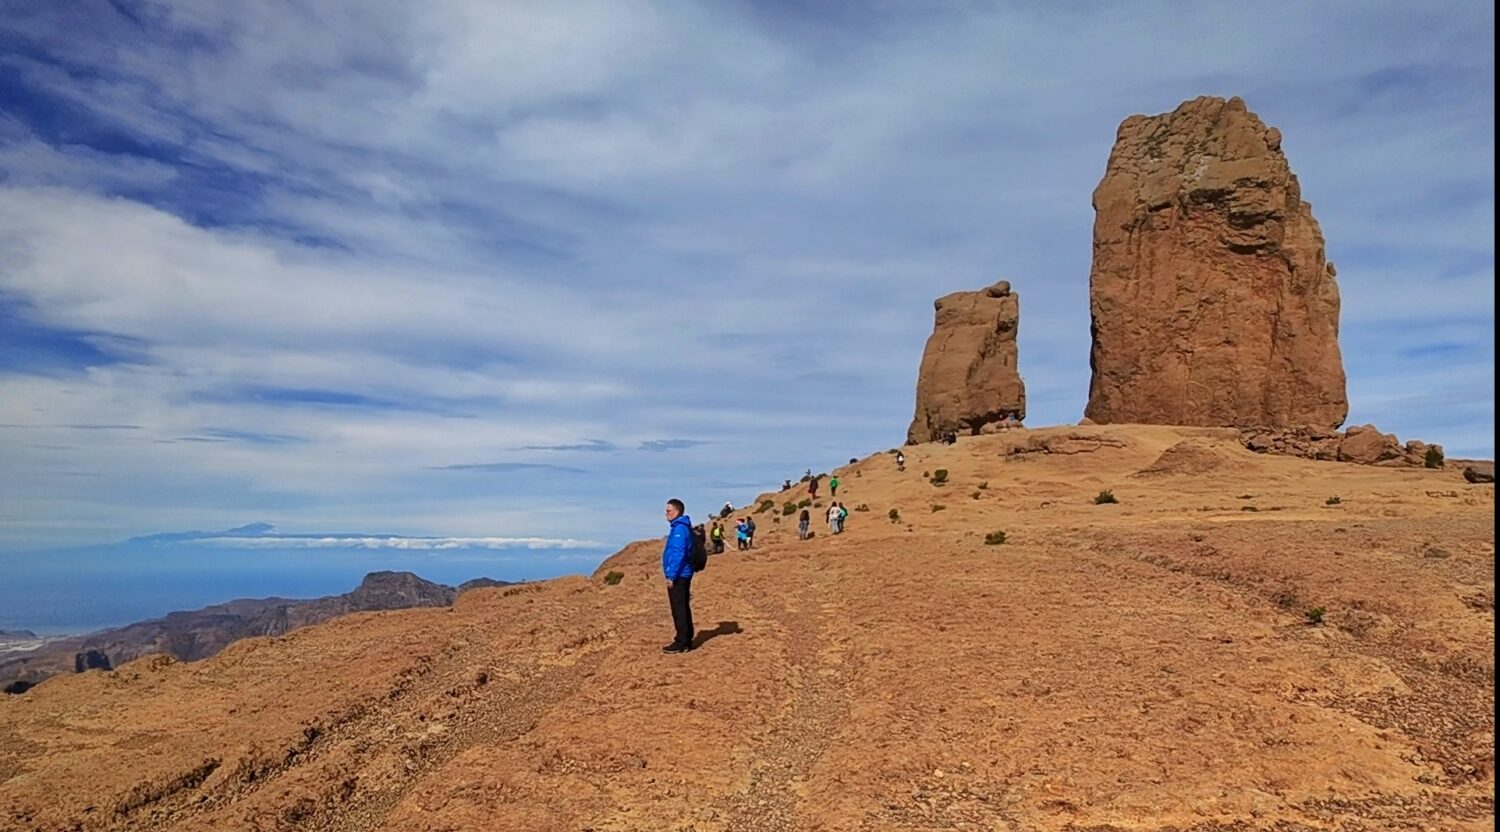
[480, 270]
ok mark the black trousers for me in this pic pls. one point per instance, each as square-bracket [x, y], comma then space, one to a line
[680, 596]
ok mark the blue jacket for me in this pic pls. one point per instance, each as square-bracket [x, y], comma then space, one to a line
[676, 556]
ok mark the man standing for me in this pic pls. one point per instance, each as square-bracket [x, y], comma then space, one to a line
[717, 536]
[677, 567]
[833, 486]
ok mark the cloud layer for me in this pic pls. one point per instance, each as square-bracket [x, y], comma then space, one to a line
[312, 263]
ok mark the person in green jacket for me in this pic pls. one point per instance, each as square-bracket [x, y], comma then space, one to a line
[833, 486]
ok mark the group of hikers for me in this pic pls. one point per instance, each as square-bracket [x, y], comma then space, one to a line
[837, 514]
[688, 546]
[744, 531]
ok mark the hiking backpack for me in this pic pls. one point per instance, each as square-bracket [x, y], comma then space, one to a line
[698, 554]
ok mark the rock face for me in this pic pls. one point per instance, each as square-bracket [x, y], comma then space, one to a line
[968, 377]
[1212, 301]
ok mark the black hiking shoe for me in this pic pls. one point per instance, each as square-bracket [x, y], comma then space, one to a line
[674, 647]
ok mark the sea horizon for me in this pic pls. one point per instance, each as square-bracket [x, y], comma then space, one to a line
[84, 589]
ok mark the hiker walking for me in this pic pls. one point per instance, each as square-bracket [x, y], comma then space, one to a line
[812, 488]
[677, 567]
[749, 532]
[843, 516]
[802, 523]
[833, 486]
[741, 535]
[900, 461]
[833, 518]
[717, 536]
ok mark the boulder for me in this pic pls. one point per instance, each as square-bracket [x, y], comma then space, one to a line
[1417, 451]
[1211, 297]
[1479, 472]
[91, 660]
[1367, 446]
[968, 377]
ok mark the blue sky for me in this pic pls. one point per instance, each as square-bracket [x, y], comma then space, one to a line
[479, 270]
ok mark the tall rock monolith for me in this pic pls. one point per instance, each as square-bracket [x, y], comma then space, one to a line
[968, 377]
[1212, 300]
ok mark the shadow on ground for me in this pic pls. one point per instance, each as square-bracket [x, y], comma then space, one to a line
[725, 628]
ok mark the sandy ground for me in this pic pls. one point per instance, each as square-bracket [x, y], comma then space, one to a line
[1145, 665]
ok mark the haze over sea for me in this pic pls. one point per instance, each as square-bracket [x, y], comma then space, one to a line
[509, 275]
[85, 588]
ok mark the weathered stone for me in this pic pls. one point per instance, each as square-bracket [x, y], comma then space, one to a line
[90, 660]
[968, 377]
[1479, 472]
[1417, 451]
[1367, 446]
[1212, 300]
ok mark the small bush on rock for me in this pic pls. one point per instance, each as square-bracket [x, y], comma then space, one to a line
[937, 507]
[766, 505]
[894, 515]
[940, 476]
[613, 578]
[1332, 501]
[1315, 615]
[1105, 497]
[994, 538]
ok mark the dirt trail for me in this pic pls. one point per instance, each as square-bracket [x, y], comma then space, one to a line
[1225, 649]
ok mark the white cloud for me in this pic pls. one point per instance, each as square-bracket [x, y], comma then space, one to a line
[389, 542]
[534, 223]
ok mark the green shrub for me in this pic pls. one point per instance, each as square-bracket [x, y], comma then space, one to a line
[1249, 508]
[806, 501]
[765, 505]
[894, 515]
[613, 577]
[1434, 457]
[940, 476]
[861, 507]
[788, 509]
[984, 486]
[937, 507]
[994, 538]
[1315, 615]
[974, 496]
[1332, 501]
[926, 475]
[1105, 497]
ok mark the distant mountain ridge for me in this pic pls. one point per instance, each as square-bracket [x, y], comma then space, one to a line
[197, 634]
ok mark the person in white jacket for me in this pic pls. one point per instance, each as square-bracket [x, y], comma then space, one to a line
[833, 518]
